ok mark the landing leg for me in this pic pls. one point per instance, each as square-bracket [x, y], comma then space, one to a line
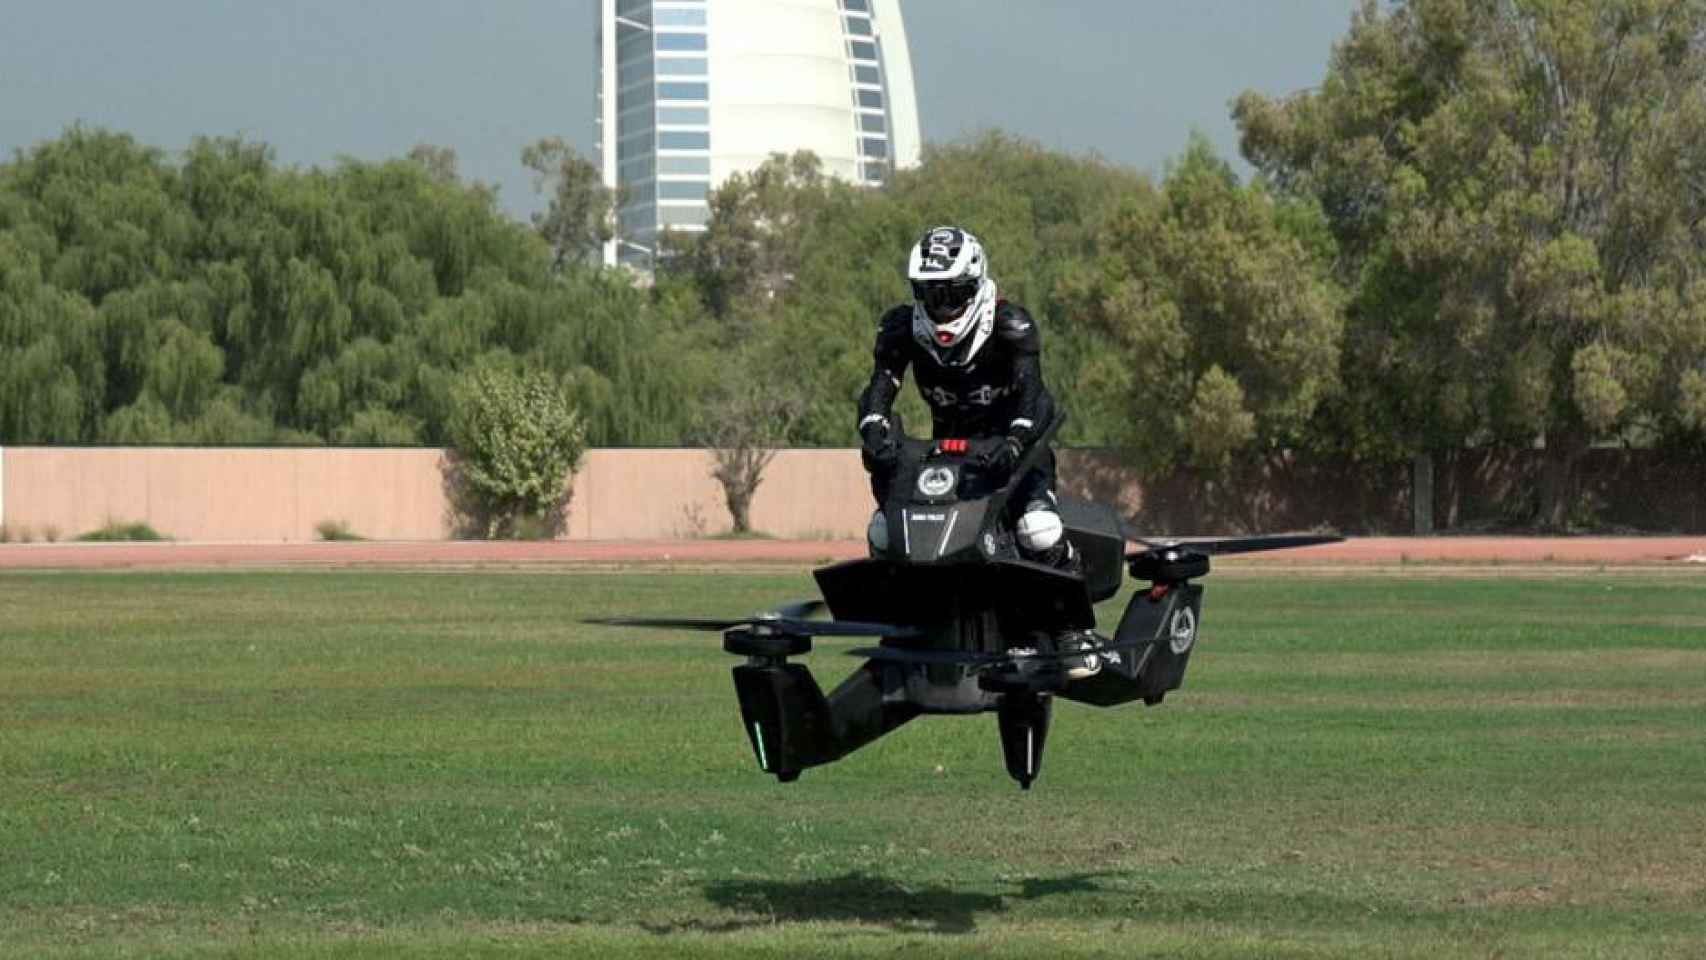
[792, 725]
[1023, 719]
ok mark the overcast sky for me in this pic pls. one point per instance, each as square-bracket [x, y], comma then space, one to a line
[1127, 79]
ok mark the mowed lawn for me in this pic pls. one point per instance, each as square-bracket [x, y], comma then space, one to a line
[389, 764]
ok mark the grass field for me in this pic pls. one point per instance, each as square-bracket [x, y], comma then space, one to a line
[442, 765]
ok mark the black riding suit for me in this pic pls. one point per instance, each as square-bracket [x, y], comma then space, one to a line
[999, 392]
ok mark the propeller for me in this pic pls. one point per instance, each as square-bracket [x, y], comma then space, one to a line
[1226, 545]
[975, 658]
[792, 619]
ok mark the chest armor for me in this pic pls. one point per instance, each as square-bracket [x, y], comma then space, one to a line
[967, 394]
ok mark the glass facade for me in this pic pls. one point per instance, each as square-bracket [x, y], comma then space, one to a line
[864, 57]
[663, 135]
[663, 146]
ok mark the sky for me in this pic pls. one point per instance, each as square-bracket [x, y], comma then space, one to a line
[1128, 80]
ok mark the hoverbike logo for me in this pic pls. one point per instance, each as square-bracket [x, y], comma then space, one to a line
[1183, 630]
[936, 481]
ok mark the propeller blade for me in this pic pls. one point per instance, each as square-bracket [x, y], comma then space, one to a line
[1225, 545]
[842, 628]
[1130, 533]
[903, 655]
[800, 609]
[666, 623]
[782, 624]
[1253, 544]
[976, 657]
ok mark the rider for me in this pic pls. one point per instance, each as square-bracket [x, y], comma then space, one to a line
[978, 362]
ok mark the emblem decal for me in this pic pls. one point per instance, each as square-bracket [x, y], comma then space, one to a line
[1182, 632]
[936, 481]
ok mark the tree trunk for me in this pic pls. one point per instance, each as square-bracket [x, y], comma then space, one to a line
[739, 501]
[1558, 483]
[1422, 493]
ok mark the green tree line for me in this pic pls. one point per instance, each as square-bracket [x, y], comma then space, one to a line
[1485, 227]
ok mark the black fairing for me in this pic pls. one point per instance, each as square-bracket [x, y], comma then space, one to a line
[786, 717]
[1026, 596]
[1162, 624]
[1095, 531]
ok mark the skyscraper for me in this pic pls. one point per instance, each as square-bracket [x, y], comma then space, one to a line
[692, 91]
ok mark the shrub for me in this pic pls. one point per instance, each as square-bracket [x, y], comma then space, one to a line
[336, 530]
[515, 440]
[115, 530]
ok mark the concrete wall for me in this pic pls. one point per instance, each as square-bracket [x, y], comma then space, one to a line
[261, 494]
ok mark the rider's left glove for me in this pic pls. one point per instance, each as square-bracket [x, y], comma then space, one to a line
[998, 454]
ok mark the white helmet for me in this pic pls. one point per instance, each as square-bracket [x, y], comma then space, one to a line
[954, 299]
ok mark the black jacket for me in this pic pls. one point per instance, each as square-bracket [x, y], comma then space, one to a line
[999, 391]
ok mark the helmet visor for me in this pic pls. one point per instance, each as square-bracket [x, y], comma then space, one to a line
[945, 300]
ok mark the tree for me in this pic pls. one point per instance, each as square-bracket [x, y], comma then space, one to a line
[743, 422]
[1221, 326]
[439, 162]
[51, 365]
[758, 233]
[1518, 191]
[516, 443]
[580, 216]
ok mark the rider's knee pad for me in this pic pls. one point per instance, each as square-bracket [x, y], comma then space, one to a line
[878, 532]
[1039, 527]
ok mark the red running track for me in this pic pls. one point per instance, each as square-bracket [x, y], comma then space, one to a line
[1361, 550]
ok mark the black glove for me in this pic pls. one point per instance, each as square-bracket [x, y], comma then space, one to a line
[878, 446]
[996, 454]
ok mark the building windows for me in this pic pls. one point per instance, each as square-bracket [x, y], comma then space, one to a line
[689, 165]
[872, 123]
[864, 50]
[864, 74]
[684, 91]
[681, 67]
[870, 98]
[859, 5]
[859, 26]
[689, 216]
[680, 41]
[632, 147]
[639, 218]
[679, 18]
[872, 147]
[684, 140]
[683, 116]
[682, 189]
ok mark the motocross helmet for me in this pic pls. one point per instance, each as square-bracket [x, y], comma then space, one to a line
[953, 296]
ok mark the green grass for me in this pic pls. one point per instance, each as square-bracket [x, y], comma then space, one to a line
[446, 765]
[115, 530]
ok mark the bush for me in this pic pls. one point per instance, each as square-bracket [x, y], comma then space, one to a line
[123, 531]
[336, 530]
[515, 440]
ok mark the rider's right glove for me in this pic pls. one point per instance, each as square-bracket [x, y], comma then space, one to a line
[878, 447]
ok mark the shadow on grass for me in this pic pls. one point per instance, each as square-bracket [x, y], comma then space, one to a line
[902, 907]
[866, 899]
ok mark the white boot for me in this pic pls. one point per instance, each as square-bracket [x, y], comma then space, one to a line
[1081, 665]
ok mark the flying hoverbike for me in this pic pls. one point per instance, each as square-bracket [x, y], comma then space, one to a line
[964, 623]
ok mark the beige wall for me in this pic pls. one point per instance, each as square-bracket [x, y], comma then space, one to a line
[255, 494]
